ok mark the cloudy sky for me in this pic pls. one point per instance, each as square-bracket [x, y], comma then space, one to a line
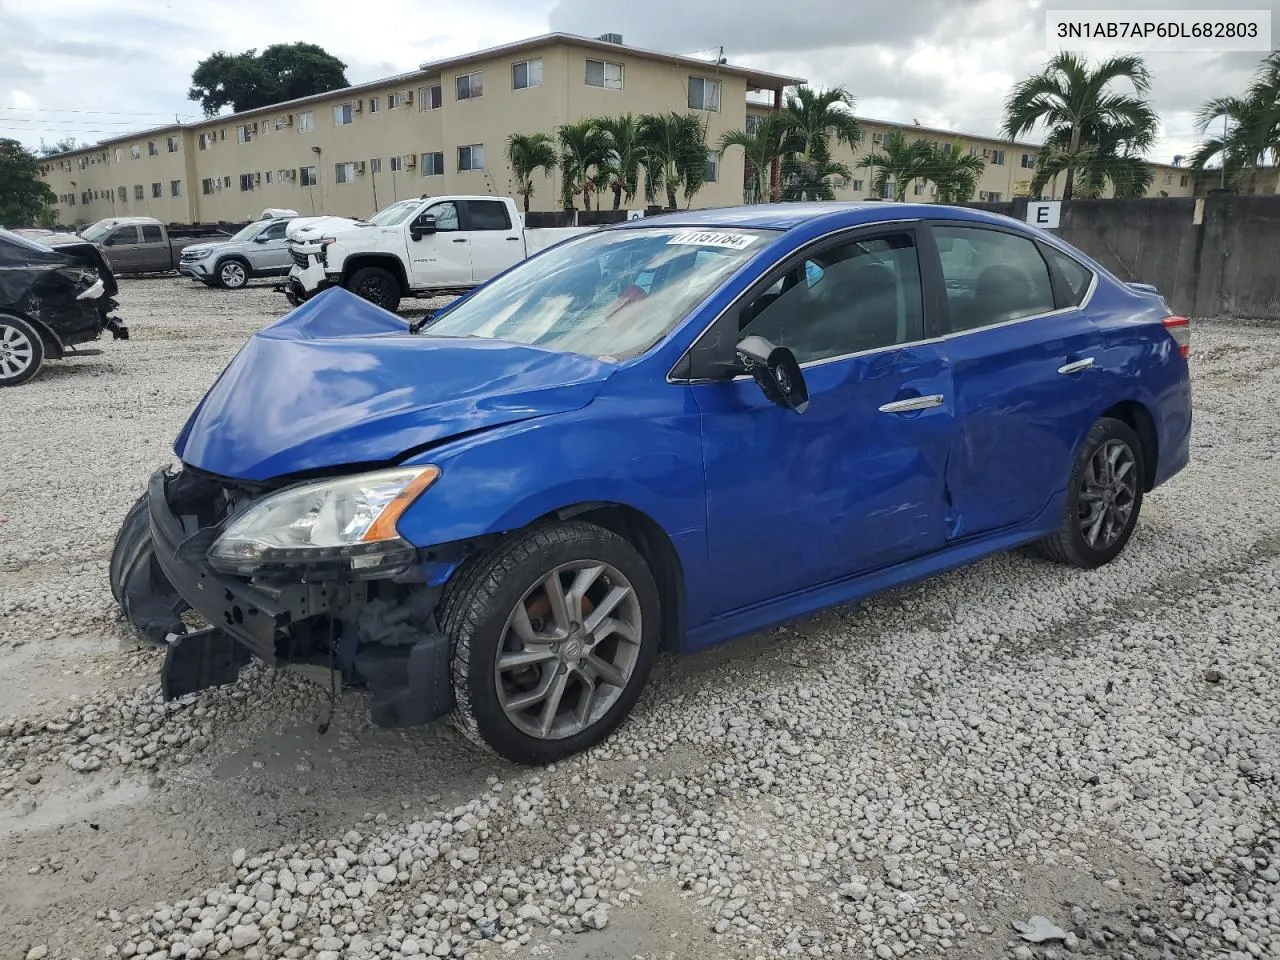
[93, 69]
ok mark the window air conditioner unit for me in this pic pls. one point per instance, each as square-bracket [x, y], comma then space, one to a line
[357, 106]
[410, 162]
[359, 166]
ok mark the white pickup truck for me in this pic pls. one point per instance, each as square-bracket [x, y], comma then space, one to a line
[431, 246]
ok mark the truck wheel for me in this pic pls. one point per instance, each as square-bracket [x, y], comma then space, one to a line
[21, 351]
[377, 286]
[233, 274]
[554, 636]
[139, 586]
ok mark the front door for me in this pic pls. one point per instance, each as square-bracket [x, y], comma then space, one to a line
[496, 243]
[1021, 354]
[123, 249]
[443, 258]
[270, 250]
[857, 481]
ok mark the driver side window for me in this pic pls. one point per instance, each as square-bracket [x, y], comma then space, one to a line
[855, 296]
[121, 236]
[276, 230]
[446, 215]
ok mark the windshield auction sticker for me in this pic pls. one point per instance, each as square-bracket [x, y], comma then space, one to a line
[730, 241]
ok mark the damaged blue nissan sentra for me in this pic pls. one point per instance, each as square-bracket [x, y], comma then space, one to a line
[665, 433]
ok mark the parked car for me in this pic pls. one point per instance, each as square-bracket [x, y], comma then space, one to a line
[50, 302]
[259, 250]
[669, 432]
[414, 248]
[137, 244]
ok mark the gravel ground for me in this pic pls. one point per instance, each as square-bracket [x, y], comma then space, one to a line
[908, 777]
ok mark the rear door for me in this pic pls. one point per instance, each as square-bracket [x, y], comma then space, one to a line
[155, 252]
[496, 242]
[443, 258]
[269, 252]
[123, 249]
[1021, 352]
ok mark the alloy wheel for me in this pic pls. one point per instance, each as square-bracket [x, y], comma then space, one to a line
[568, 650]
[17, 353]
[233, 275]
[1108, 492]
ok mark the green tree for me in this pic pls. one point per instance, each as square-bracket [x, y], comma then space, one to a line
[24, 197]
[1077, 103]
[283, 71]
[65, 145]
[899, 161]
[768, 143]
[583, 149]
[1250, 125]
[817, 117]
[527, 154]
[675, 154]
[1112, 153]
[626, 156]
[954, 171]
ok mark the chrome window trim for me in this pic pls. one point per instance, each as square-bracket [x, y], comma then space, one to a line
[1084, 303]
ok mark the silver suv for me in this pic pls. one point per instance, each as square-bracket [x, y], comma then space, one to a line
[259, 250]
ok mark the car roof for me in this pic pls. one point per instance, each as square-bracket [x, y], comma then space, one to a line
[789, 216]
[131, 221]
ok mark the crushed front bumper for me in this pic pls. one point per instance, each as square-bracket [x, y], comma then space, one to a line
[322, 626]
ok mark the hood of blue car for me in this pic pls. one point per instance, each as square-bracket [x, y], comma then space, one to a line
[340, 382]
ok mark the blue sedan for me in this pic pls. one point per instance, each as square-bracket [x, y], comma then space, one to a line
[666, 433]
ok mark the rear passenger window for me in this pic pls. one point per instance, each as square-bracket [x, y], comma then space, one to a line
[488, 215]
[991, 277]
[1073, 272]
[151, 235]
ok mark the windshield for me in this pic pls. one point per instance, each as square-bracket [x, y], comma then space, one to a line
[97, 231]
[609, 294]
[247, 233]
[394, 214]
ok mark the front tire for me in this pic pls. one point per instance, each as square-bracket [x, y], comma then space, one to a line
[233, 274]
[376, 285]
[554, 635]
[146, 598]
[21, 351]
[1104, 497]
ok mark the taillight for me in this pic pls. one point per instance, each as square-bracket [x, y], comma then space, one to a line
[1180, 329]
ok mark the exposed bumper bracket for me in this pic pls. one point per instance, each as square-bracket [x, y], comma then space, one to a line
[200, 660]
[408, 686]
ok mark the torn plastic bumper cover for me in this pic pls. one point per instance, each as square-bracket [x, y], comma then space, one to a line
[322, 625]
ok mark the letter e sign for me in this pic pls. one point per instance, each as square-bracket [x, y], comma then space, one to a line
[1044, 213]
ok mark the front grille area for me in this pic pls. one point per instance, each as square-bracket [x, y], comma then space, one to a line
[303, 260]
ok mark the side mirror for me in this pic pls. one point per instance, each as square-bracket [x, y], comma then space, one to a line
[424, 225]
[261, 238]
[777, 372]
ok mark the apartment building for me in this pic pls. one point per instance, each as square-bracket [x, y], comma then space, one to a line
[438, 130]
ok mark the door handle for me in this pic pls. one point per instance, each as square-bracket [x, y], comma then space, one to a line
[1076, 365]
[459, 239]
[513, 238]
[913, 403]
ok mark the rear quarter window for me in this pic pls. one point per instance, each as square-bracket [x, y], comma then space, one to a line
[1077, 275]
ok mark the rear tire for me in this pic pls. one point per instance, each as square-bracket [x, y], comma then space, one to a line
[21, 351]
[146, 598]
[595, 670]
[232, 274]
[376, 285]
[1104, 498]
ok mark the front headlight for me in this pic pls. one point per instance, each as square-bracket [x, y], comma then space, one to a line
[347, 525]
[197, 254]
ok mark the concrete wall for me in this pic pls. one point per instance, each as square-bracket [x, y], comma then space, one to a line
[1220, 263]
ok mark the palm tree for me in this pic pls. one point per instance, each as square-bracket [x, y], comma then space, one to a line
[625, 154]
[675, 154]
[527, 154]
[761, 148]
[899, 161]
[1112, 153]
[815, 118]
[954, 171]
[1251, 122]
[582, 150]
[1071, 98]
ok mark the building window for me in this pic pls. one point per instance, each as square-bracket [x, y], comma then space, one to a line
[753, 123]
[470, 86]
[1028, 161]
[342, 115]
[375, 165]
[432, 164]
[172, 144]
[226, 181]
[471, 157]
[997, 158]
[990, 196]
[856, 185]
[119, 157]
[244, 133]
[246, 181]
[308, 176]
[268, 175]
[397, 164]
[375, 104]
[1182, 181]
[344, 172]
[1168, 179]
[138, 192]
[704, 94]
[208, 185]
[306, 122]
[430, 97]
[399, 99]
[602, 73]
[713, 166]
[157, 191]
[283, 176]
[175, 188]
[203, 141]
[526, 74]
[122, 193]
[152, 149]
[918, 188]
